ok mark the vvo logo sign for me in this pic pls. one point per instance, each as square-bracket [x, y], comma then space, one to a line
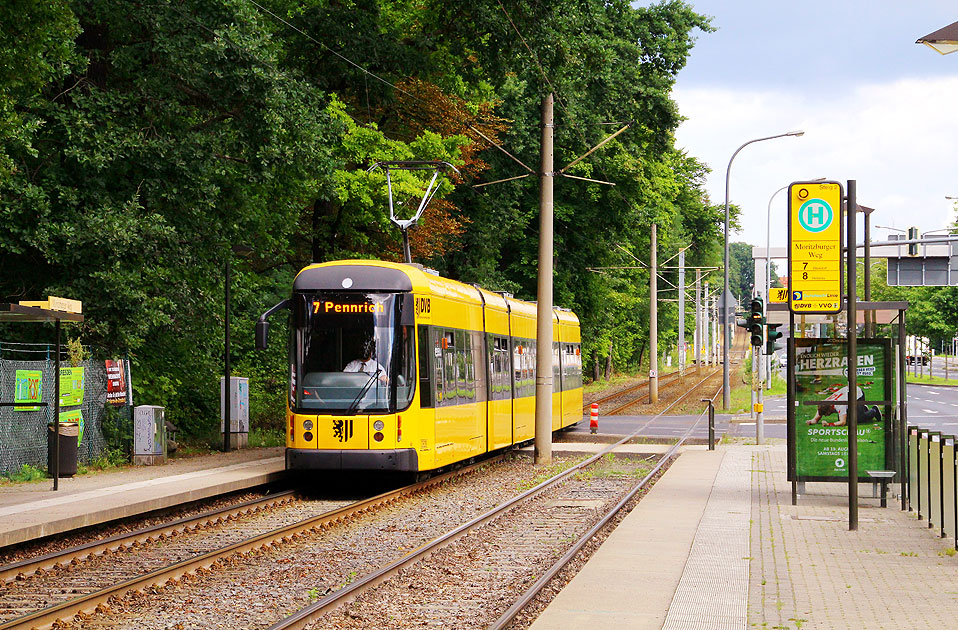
[815, 215]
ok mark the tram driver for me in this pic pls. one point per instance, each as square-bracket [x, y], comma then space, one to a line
[366, 363]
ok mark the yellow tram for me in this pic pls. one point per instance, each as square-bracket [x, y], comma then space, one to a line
[395, 368]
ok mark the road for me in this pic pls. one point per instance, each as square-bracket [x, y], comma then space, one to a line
[929, 406]
[938, 368]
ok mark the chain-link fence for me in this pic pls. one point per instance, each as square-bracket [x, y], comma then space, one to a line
[23, 434]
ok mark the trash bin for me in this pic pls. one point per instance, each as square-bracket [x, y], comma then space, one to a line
[69, 432]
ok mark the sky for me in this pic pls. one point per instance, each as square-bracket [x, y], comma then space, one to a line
[875, 107]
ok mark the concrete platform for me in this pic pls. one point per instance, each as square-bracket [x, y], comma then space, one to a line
[29, 511]
[630, 581]
[716, 544]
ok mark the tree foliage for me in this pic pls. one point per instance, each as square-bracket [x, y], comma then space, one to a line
[141, 144]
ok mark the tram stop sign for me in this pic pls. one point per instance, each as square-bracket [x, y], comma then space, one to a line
[815, 233]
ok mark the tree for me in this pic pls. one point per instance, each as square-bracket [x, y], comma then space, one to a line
[741, 272]
[36, 49]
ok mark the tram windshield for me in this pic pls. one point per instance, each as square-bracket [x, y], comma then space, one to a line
[355, 356]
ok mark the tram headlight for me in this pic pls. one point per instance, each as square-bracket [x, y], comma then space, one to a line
[308, 425]
[308, 436]
[378, 437]
[378, 425]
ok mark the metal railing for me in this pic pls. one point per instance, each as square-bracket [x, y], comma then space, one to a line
[932, 486]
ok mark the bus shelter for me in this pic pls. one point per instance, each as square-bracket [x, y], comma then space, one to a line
[818, 396]
[32, 314]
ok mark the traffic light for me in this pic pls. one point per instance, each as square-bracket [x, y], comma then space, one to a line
[755, 318]
[913, 235]
[772, 335]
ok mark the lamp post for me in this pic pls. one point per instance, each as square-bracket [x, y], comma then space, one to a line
[768, 264]
[726, 391]
[244, 251]
[944, 40]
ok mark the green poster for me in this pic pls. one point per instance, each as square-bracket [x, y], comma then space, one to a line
[821, 434]
[28, 389]
[71, 386]
[74, 416]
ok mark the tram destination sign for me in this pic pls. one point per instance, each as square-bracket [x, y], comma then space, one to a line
[815, 234]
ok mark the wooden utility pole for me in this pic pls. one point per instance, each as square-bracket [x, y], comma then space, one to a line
[653, 325]
[543, 441]
[682, 312]
[698, 320]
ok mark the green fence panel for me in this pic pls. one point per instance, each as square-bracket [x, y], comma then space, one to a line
[934, 481]
[923, 473]
[913, 475]
[948, 486]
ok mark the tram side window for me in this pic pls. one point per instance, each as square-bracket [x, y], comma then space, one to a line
[501, 381]
[450, 368]
[556, 368]
[463, 362]
[572, 366]
[525, 367]
[425, 368]
[478, 373]
[406, 376]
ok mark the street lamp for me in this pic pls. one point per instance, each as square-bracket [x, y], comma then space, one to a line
[768, 262]
[244, 251]
[944, 40]
[726, 391]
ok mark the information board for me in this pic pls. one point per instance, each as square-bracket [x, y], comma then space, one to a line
[71, 386]
[815, 247]
[28, 388]
[820, 418]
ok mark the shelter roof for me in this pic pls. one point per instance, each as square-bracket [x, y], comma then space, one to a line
[17, 313]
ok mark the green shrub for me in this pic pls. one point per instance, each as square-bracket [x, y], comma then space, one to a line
[27, 474]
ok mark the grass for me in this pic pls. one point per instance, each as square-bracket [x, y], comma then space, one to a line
[930, 380]
[26, 474]
[107, 460]
[741, 399]
[617, 379]
[266, 437]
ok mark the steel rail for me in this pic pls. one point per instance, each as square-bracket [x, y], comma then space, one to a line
[48, 617]
[623, 392]
[667, 379]
[306, 616]
[533, 591]
[19, 570]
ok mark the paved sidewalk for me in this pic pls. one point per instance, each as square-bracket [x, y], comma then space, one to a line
[33, 510]
[719, 531]
[808, 571]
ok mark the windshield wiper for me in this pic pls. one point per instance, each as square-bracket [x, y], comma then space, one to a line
[353, 405]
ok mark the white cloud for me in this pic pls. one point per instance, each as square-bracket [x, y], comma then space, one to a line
[899, 140]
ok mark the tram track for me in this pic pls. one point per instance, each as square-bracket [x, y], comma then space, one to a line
[69, 575]
[631, 389]
[545, 520]
[50, 590]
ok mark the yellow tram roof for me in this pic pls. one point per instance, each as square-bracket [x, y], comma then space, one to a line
[417, 280]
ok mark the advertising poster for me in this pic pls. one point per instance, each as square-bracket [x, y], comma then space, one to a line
[115, 382]
[74, 416]
[28, 389]
[71, 386]
[821, 432]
